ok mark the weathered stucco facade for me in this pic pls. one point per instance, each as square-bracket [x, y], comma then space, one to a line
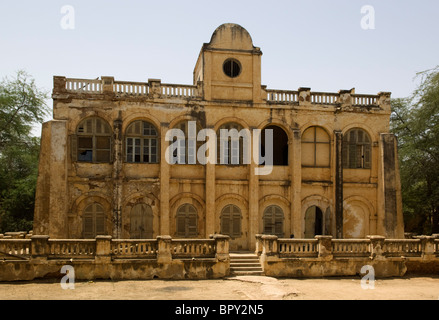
[103, 167]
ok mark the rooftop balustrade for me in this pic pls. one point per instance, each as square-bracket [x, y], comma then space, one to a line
[154, 89]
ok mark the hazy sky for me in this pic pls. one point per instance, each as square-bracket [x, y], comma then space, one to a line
[318, 44]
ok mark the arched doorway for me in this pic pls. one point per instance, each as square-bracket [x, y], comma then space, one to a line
[314, 222]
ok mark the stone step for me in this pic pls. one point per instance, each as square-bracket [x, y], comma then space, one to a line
[246, 273]
[245, 264]
[245, 260]
[253, 257]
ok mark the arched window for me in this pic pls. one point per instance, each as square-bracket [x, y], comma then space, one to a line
[315, 148]
[313, 222]
[279, 143]
[357, 149]
[93, 221]
[187, 221]
[232, 143]
[92, 142]
[141, 143]
[141, 220]
[231, 221]
[274, 221]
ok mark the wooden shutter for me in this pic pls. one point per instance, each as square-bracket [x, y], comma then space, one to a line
[74, 147]
[236, 225]
[100, 223]
[345, 153]
[181, 225]
[367, 156]
[268, 223]
[88, 226]
[149, 230]
[225, 223]
[278, 222]
[192, 225]
[352, 153]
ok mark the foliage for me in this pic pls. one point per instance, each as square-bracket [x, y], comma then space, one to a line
[22, 105]
[415, 120]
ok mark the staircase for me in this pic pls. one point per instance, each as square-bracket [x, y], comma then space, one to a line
[245, 263]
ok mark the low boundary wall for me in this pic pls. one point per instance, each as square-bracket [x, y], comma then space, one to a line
[325, 257]
[107, 258]
[37, 257]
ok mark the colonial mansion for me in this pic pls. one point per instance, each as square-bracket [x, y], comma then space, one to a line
[109, 165]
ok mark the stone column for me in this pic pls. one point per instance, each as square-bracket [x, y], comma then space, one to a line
[117, 179]
[164, 182]
[164, 254]
[55, 176]
[253, 203]
[295, 164]
[390, 214]
[338, 188]
[210, 196]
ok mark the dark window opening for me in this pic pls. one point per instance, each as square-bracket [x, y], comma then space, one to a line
[313, 222]
[232, 68]
[92, 142]
[280, 146]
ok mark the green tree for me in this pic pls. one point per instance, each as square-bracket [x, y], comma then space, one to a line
[415, 121]
[22, 105]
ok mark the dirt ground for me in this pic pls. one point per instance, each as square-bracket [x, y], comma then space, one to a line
[234, 288]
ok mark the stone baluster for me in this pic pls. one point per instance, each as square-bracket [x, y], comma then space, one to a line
[304, 96]
[108, 85]
[377, 247]
[427, 245]
[346, 98]
[222, 247]
[40, 247]
[270, 246]
[164, 254]
[155, 88]
[59, 84]
[384, 100]
[259, 244]
[103, 249]
[324, 247]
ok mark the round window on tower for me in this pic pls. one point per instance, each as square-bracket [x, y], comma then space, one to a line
[232, 68]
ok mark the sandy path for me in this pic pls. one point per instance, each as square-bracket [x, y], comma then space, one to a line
[238, 288]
